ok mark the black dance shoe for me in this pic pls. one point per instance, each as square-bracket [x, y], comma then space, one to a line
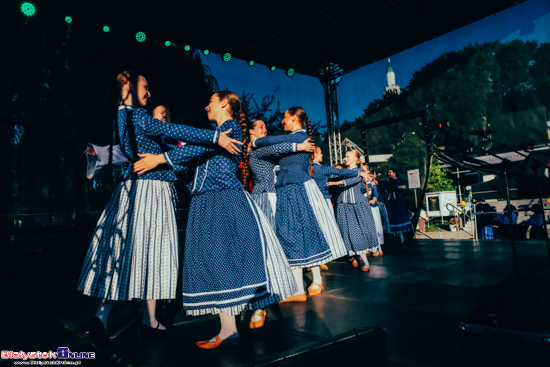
[147, 332]
[96, 331]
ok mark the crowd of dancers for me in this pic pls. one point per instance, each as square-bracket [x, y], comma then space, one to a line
[243, 250]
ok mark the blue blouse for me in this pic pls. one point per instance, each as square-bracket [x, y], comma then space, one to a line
[322, 173]
[353, 189]
[216, 167]
[294, 167]
[373, 192]
[262, 164]
[149, 133]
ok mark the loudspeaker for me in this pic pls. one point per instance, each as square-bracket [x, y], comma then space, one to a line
[330, 352]
[517, 307]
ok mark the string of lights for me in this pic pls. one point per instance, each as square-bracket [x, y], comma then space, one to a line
[29, 10]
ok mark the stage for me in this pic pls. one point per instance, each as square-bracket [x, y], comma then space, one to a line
[411, 302]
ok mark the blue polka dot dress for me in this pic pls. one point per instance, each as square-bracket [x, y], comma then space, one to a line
[263, 165]
[304, 224]
[396, 207]
[323, 173]
[232, 258]
[355, 218]
[134, 249]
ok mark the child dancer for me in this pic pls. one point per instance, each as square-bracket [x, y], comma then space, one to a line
[354, 216]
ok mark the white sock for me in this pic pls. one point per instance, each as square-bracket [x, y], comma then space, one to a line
[316, 271]
[364, 258]
[104, 310]
[298, 276]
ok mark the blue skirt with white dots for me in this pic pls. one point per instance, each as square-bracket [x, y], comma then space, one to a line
[232, 258]
[357, 226]
[134, 248]
[306, 226]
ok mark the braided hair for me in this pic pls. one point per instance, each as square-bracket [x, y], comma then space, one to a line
[238, 115]
[301, 114]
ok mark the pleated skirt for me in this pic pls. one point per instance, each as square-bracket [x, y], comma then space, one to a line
[378, 222]
[267, 202]
[306, 227]
[232, 258]
[330, 207]
[398, 215]
[134, 249]
[357, 226]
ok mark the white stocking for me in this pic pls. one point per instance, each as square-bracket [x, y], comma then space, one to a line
[316, 271]
[298, 276]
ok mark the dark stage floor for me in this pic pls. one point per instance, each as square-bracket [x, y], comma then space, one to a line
[417, 292]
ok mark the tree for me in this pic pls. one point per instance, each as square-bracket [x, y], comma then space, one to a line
[438, 179]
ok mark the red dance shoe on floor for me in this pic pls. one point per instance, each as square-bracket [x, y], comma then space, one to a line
[207, 344]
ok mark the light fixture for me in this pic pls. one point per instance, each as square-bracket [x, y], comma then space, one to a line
[140, 37]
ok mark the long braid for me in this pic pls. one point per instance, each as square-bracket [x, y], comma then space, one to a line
[238, 115]
[245, 177]
[304, 120]
[309, 132]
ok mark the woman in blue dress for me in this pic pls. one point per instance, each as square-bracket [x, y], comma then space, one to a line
[232, 259]
[304, 224]
[396, 206]
[263, 166]
[354, 215]
[133, 253]
[322, 174]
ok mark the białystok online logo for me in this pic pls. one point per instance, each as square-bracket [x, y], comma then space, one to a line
[62, 353]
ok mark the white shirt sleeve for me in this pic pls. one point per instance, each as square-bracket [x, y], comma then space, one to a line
[101, 159]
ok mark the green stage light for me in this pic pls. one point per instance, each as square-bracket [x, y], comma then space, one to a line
[251, 63]
[167, 43]
[68, 19]
[290, 72]
[273, 68]
[206, 52]
[106, 29]
[28, 9]
[141, 37]
[226, 57]
[187, 48]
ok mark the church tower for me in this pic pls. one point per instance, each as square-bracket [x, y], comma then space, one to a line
[390, 77]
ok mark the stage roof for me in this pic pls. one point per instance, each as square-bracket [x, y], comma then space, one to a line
[303, 35]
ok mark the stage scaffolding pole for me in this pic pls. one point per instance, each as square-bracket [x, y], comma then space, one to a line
[330, 75]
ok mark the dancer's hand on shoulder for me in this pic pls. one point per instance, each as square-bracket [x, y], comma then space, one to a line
[148, 162]
[228, 143]
[306, 146]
